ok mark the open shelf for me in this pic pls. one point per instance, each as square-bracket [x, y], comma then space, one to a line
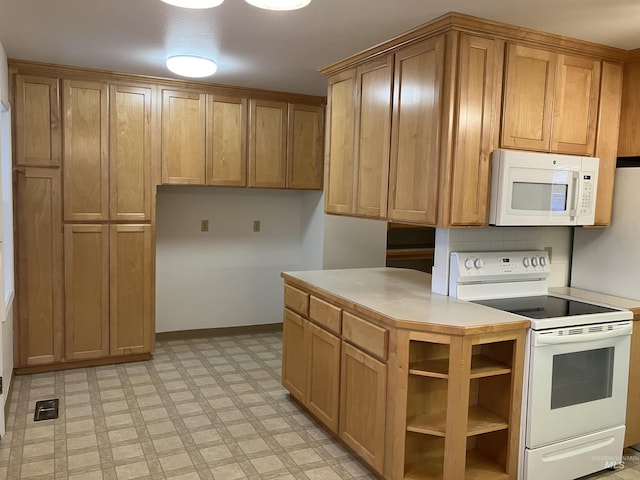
[478, 467]
[481, 366]
[480, 421]
[428, 424]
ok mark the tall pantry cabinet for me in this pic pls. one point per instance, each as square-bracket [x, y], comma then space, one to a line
[84, 219]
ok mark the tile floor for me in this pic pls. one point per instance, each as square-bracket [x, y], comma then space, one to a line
[209, 408]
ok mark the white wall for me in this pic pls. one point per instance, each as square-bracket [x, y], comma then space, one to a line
[503, 238]
[230, 276]
[354, 242]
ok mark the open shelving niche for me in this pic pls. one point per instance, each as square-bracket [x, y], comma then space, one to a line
[488, 410]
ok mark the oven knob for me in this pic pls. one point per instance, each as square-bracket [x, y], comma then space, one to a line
[543, 261]
[469, 263]
[478, 263]
[534, 262]
[525, 261]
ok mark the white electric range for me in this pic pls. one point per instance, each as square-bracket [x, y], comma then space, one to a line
[576, 363]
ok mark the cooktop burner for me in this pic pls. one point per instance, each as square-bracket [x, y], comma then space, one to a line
[544, 306]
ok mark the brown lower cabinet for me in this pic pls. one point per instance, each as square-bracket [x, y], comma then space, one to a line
[410, 402]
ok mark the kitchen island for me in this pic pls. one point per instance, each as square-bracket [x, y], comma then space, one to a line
[418, 385]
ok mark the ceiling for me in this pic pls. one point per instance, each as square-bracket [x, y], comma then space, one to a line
[271, 50]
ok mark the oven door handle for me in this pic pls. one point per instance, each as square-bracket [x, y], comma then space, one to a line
[542, 339]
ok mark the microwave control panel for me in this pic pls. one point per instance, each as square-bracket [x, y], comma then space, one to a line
[585, 202]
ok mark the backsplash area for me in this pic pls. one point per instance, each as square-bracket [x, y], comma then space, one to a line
[502, 238]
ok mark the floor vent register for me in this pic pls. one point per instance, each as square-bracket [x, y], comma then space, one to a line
[46, 410]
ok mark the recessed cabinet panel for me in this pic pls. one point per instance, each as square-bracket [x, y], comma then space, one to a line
[86, 282]
[529, 83]
[226, 141]
[86, 151]
[323, 376]
[294, 354]
[341, 124]
[39, 266]
[130, 153]
[37, 115]
[130, 289]
[415, 133]
[373, 142]
[476, 124]
[304, 147]
[183, 137]
[267, 144]
[575, 106]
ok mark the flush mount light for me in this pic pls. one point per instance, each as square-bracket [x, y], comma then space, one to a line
[279, 4]
[194, 3]
[190, 66]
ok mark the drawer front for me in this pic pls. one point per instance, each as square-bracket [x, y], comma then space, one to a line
[326, 315]
[365, 335]
[296, 300]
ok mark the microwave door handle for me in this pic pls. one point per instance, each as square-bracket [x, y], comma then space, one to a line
[574, 196]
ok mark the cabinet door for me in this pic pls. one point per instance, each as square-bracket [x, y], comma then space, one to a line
[131, 284]
[414, 177]
[183, 137]
[373, 141]
[363, 387]
[476, 126]
[39, 266]
[607, 138]
[323, 379]
[305, 160]
[528, 98]
[86, 284]
[267, 144]
[130, 152]
[37, 107]
[629, 140]
[86, 155]
[226, 141]
[294, 355]
[575, 105]
[340, 129]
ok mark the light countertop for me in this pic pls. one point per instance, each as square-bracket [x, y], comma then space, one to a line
[403, 298]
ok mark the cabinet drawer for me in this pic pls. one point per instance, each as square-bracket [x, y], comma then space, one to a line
[325, 314]
[365, 335]
[296, 300]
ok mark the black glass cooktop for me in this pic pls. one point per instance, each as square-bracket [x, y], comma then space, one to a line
[544, 306]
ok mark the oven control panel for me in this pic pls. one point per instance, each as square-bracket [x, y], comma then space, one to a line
[498, 267]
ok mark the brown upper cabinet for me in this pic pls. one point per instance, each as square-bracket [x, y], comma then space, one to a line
[37, 107]
[629, 140]
[235, 141]
[463, 87]
[551, 101]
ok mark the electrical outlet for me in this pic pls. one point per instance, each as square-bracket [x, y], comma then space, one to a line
[256, 225]
[204, 225]
[549, 251]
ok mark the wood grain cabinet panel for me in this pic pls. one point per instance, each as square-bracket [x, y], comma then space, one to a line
[414, 183]
[86, 151]
[183, 137]
[476, 125]
[629, 138]
[528, 98]
[131, 282]
[38, 126]
[305, 159]
[373, 137]
[323, 375]
[363, 387]
[86, 275]
[267, 144]
[575, 105]
[130, 153]
[294, 354]
[340, 142]
[226, 163]
[40, 325]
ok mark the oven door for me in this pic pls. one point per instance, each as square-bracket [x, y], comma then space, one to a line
[577, 381]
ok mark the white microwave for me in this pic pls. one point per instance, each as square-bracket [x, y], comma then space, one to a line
[530, 188]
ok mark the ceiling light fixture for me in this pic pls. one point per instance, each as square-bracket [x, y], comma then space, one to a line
[194, 3]
[279, 4]
[191, 66]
